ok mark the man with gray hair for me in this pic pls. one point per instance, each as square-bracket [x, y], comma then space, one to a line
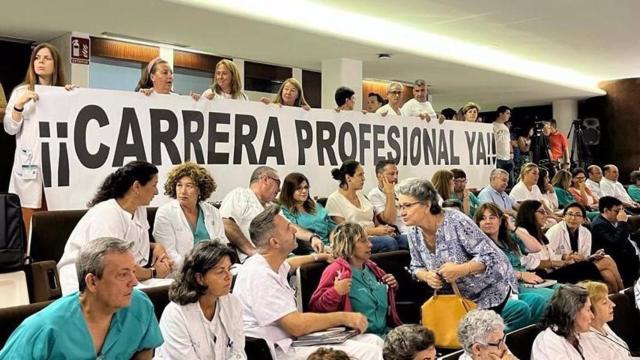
[496, 192]
[394, 97]
[268, 302]
[241, 205]
[420, 105]
[106, 319]
[481, 333]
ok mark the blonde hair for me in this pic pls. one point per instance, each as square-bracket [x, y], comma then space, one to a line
[300, 100]
[345, 237]
[236, 83]
[468, 106]
[440, 181]
[525, 169]
[597, 290]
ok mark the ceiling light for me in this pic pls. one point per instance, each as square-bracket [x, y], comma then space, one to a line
[142, 41]
[384, 56]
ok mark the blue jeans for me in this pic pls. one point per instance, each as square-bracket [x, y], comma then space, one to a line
[385, 243]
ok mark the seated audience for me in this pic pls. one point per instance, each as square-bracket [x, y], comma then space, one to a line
[156, 78]
[561, 182]
[203, 321]
[531, 216]
[329, 354]
[527, 189]
[481, 333]
[348, 203]
[409, 342]
[569, 240]
[567, 318]
[345, 98]
[593, 182]
[268, 302]
[384, 198]
[374, 102]
[394, 96]
[496, 192]
[442, 181]
[581, 192]
[289, 94]
[600, 336]
[188, 218]
[549, 197]
[45, 68]
[446, 246]
[355, 283]
[420, 106]
[634, 188]
[610, 186]
[106, 319]
[515, 242]
[119, 210]
[299, 207]
[469, 112]
[611, 232]
[460, 192]
[241, 205]
[227, 83]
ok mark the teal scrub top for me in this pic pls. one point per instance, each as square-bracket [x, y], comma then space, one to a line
[564, 197]
[319, 222]
[474, 203]
[634, 192]
[514, 256]
[369, 297]
[59, 331]
[200, 233]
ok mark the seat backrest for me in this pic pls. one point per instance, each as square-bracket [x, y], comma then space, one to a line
[50, 231]
[520, 341]
[11, 317]
[626, 319]
[397, 263]
[159, 296]
[308, 279]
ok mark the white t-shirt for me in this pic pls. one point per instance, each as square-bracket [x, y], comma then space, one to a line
[615, 189]
[338, 205]
[241, 205]
[388, 110]
[266, 297]
[378, 200]
[503, 141]
[414, 108]
[520, 193]
[106, 219]
[224, 95]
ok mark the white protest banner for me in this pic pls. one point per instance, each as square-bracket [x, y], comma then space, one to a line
[86, 134]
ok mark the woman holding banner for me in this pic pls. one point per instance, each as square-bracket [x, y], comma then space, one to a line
[45, 69]
[119, 210]
[157, 77]
[289, 94]
[227, 83]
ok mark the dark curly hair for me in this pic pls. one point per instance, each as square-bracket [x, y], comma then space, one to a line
[200, 176]
[203, 257]
[119, 182]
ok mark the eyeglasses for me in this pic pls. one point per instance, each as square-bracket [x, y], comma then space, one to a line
[301, 188]
[499, 344]
[541, 211]
[460, 181]
[579, 178]
[396, 93]
[278, 181]
[403, 207]
[575, 215]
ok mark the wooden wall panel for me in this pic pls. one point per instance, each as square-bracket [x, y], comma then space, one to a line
[195, 61]
[122, 50]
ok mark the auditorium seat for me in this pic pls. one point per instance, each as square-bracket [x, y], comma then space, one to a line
[11, 317]
[626, 318]
[409, 297]
[451, 356]
[520, 341]
[14, 289]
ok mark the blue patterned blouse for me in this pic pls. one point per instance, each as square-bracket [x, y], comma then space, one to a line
[459, 240]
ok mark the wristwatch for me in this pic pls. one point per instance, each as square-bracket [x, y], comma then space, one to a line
[153, 272]
[314, 235]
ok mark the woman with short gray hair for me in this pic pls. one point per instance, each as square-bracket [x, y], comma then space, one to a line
[203, 320]
[481, 333]
[446, 246]
[567, 316]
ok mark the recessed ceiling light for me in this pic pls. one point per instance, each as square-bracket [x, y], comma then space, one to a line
[384, 56]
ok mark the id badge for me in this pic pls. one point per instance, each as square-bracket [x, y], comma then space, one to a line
[29, 172]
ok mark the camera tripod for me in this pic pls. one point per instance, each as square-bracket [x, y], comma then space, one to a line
[579, 147]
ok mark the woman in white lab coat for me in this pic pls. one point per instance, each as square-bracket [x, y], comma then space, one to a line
[187, 219]
[119, 210]
[45, 69]
[203, 320]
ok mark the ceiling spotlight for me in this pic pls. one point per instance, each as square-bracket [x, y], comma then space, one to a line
[384, 56]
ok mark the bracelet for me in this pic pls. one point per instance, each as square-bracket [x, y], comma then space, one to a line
[18, 109]
[315, 257]
[316, 236]
[153, 272]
